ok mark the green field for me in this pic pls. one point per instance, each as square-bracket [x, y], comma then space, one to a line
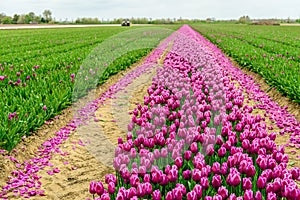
[36, 70]
[271, 51]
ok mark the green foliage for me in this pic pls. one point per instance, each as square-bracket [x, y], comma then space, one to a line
[37, 65]
[272, 52]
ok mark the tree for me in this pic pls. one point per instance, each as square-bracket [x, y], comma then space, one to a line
[47, 15]
[15, 18]
[7, 20]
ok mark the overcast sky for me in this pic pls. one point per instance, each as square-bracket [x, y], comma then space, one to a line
[220, 9]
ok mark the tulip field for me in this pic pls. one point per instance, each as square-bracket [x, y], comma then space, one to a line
[204, 130]
[272, 52]
[38, 69]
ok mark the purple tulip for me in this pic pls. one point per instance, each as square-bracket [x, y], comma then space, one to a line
[271, 196]
[105, 197]
[277, 185]
[196, 175]
[261, 182]
[93, 187]
[248, 195]
[131, 192]
[44, 107]
[223, 192]
[156, 195]
[187, 155]
[222, 152]
[134, 180]
[99, 188]
[224, 168]
[208, 198]
[148, 188]
[198, 190]
[179, 162]
[141, 190]
[186, 174]
[169, 196]
[204, 182]
[191, 195]
[232, 197]
[247, 184]
[216, 181]
[194, 147]
[111, 188]
[251, 171]
[258, 195]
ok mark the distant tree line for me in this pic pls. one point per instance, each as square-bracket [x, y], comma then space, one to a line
[29, 18]
[133, 20]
